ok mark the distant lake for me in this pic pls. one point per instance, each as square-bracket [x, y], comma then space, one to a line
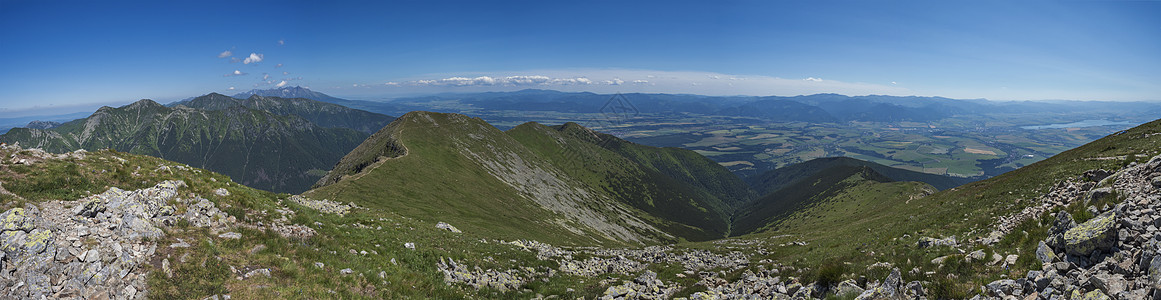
[1085, 123]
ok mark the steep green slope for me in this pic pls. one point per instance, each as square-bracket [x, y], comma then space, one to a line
[320, 113]
[675, 206]
[683, 165]
[823, 185]
[257, 148]
[534, 181]
[774, 180]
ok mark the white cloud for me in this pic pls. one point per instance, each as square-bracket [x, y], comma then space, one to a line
[281, 42]
[231, 88]
[225, 54]
[636, 81]
[285, 73]
[517, 80]
[571, 81]
[235, 60]
[527, 80]
[278, 66]
[254, 58]
[265, 76]
[236, 73]
[281, 84]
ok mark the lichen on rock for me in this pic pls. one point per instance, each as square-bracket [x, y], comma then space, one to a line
[1099, 233]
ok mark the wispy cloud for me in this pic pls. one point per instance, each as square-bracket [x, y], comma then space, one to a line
[278, 66]
[517, 80]
[235, 73]
[281, 42]
[254, 58]
[643, 81]
[235, 60]
[265, 76]
[225, 54]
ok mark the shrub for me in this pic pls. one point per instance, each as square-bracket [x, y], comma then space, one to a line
[831, 273]
[943, 288]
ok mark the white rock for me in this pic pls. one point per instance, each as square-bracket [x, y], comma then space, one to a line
[91, 256]
[129, 291]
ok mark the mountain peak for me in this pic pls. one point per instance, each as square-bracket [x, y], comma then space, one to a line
[143, 103]
[437, 119]
[289, 92]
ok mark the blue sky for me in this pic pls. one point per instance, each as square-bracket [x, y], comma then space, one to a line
[72, 55]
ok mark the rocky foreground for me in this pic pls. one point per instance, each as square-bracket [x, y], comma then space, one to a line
[97, 247]
[1114, 255]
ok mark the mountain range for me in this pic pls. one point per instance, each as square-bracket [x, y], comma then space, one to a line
[269, 143]
[804, 108]
[298, 92]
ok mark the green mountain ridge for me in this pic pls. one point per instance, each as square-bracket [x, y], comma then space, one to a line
[255, 147]
[561, 183]
[776, 179]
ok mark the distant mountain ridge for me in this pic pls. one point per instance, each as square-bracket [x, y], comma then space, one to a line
[804, 108]
[259, 148]
[388, 108]
[42, 124]
[289, 92]
[320, 113]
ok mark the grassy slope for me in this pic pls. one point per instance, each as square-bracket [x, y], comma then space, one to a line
[436, 181]
[875, 226]
[822, 186]
[206, 272]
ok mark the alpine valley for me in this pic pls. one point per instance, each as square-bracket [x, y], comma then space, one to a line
[292, 193]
